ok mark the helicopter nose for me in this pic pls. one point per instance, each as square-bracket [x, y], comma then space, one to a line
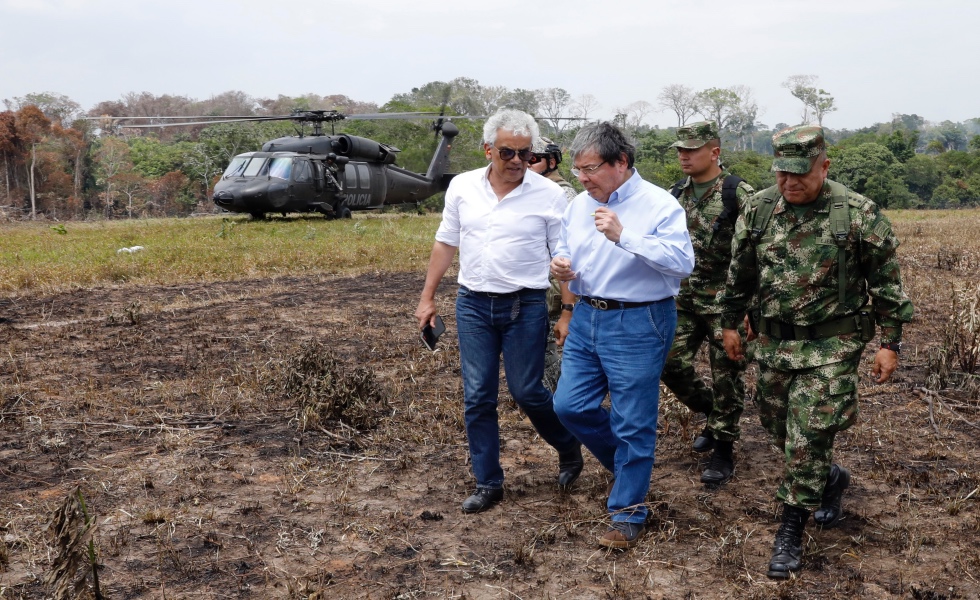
[224, 198]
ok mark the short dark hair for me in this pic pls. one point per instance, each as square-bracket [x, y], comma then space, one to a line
[606, 140]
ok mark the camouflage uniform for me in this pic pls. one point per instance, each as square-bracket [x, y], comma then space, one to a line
[811, 329]
[698, 317]
[552, 355]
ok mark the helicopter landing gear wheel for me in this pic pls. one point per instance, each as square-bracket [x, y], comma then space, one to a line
[345, 213]
[257, 216]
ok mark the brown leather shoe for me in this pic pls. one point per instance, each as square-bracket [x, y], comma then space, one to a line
[622, 535]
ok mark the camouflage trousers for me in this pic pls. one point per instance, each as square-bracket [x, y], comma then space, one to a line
[552, 355]
[803, 411]
[552, 359]
[725, 400]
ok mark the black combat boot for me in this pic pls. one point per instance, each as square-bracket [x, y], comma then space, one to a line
[721, 466]
[830, 510]
[788, 549]
[705, 440]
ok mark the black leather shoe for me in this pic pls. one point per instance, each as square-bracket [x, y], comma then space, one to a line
[483, 499]
[830, 510]
[570, 467]
[704, 442]
[787, 551]
[721, 466]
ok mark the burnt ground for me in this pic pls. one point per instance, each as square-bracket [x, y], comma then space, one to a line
[291, 438]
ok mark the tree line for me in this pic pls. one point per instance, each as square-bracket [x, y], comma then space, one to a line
[63, 162]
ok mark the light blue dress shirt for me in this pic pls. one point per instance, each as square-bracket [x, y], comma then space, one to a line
[653, 254]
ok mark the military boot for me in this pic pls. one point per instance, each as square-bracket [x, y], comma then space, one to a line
[705, 440]
[721, 466]
[788, 548]
[830, 510]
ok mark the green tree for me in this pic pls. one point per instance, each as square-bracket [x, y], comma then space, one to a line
[872, 170]
[922, 176]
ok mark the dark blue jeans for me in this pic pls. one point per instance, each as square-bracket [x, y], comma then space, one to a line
[620, 352]
[515, 326]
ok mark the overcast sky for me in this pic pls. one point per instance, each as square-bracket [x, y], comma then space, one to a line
[875, 57]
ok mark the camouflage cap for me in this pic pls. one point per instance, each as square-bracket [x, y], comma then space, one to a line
[795, 147]
[696, 135]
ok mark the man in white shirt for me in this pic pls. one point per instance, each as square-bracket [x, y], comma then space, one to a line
[505, 222]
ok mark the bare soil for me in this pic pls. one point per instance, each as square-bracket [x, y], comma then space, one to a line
[179, 413]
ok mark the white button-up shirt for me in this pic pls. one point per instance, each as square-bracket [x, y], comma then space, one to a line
[507, 245]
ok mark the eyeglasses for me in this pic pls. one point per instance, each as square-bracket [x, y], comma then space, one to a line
[536, 158]
[579, 171]
[509, 154]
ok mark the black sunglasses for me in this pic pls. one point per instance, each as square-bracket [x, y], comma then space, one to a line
[509, 154]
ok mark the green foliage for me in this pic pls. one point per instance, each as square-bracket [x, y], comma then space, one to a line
[152, 158]
[922, 176]
[753, 167]
[664, 174]
[655, 144]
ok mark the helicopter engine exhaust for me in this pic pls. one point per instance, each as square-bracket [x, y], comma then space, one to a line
[364, 149]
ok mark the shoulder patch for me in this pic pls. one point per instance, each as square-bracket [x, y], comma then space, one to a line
[883, 229]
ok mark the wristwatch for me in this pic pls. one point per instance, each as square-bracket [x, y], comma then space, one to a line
[568, 307]
[893, 346]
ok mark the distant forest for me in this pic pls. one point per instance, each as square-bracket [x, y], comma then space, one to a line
[61, 162]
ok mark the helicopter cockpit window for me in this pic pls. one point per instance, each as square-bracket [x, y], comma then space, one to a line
[253, 167]
[237, 167]
[365, 175]
[351, 177]
[301, 172]
[281, 167]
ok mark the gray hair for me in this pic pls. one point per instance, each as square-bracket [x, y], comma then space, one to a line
[606, 140]
[514, 121]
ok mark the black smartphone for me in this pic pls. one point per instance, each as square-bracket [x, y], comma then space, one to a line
[430, 334]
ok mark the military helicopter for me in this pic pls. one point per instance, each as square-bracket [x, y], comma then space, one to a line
[329, 174]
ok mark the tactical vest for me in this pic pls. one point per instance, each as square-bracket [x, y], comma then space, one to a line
[840, 225]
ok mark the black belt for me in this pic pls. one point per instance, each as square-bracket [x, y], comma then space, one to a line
[514, 294]
[789, 331]
[604, 304]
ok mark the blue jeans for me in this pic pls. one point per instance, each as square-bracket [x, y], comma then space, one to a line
[622, 352]
[514, 325]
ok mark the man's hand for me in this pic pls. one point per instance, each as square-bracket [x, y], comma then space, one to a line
[561, 268]
[733, 344]
[561, 327]
[426, 312]
[607, 222]
[886, 361]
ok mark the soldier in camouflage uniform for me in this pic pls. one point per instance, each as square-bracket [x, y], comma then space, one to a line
[711, 223]
[547, 157]
[812, 251]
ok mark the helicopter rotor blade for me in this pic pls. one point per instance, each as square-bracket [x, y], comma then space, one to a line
[303, 116]
[190, 123]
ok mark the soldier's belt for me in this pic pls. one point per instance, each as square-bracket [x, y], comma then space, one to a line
[789, 331]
